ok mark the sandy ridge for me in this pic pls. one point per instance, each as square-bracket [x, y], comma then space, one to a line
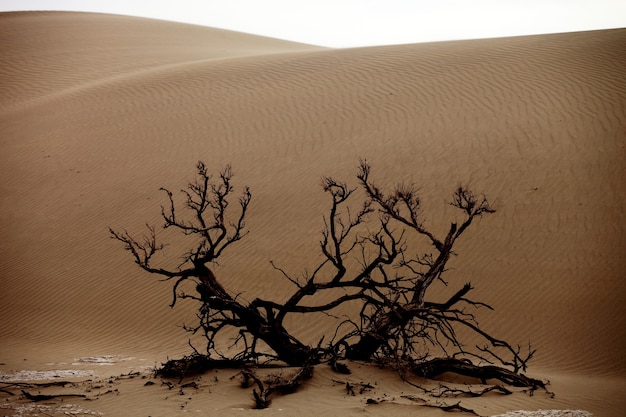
[55, 61]
[255, 82]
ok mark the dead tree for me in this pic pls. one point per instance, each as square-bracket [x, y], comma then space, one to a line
[364, 257]
[395, 327]
[406, 319]
[211, 232]
[410, 318]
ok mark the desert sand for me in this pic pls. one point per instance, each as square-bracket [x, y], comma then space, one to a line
[99, 111]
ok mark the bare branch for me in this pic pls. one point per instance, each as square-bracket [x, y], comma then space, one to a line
[364, 262]
[403, 198]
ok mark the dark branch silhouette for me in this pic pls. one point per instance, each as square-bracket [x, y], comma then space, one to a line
[364, 261]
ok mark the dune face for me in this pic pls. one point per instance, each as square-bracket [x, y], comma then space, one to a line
[97, 112]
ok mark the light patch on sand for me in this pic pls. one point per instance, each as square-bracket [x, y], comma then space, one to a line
[102, 360]
[48, 410]
[547, 413]
[43, 375]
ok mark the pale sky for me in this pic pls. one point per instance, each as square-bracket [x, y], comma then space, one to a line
[350, 23]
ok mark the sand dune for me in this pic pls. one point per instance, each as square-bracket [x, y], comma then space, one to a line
[98, 111]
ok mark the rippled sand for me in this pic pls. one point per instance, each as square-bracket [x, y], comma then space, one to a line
[99, 111]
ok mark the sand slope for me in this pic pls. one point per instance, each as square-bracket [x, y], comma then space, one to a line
[97, 112]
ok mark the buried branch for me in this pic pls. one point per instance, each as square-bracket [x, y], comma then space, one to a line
[436, 367]
[274, 383]
[445, 391]
[46, 397]
[442, 406]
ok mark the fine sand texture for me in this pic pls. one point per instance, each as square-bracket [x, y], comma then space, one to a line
[99, 111]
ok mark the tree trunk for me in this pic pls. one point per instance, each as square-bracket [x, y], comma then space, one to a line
[287, 348]
[377, 335]
[380, 330]
[365, 348]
